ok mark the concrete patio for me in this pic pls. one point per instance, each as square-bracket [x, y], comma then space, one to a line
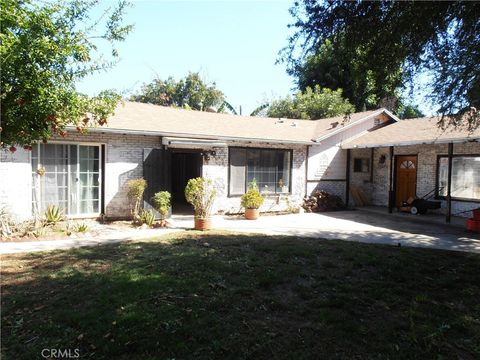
[353, 225]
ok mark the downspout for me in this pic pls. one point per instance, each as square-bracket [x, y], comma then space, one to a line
[449, 183]
[391, 192]
[306, 170]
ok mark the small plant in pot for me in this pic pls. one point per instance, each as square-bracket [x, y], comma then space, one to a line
[161, 202]
[251, 201]
[201, 193]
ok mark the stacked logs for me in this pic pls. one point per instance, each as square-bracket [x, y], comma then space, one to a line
[322, 201]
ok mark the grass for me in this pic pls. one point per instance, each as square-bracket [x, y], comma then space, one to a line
[217, 296]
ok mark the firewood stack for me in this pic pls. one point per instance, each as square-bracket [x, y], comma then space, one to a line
[322, 201]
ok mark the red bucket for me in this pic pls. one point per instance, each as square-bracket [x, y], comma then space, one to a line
[473, 225]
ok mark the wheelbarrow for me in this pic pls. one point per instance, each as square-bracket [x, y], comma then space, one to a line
[423, 204]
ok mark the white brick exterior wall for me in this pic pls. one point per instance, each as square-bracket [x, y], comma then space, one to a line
[124, 161]
[426, 172]
[16, 183]
[217, 169]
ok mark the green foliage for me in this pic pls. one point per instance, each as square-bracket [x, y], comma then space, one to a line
[252, 199]
[311, 104]
[190, 93]
[135, 190]
[45, 48]
[336, 67]
[161, 202]
[201, 193]
[440, 38]
[52, 215]
[409, 112]
[147, 217]
[81, 228]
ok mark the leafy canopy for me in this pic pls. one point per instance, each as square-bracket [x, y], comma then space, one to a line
[334, 66]
[46, 47]
[442, 38]
[191, 93]
[311, 104]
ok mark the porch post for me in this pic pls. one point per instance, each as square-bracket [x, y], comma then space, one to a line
[347, 179]
[390, 192]
[449, 183]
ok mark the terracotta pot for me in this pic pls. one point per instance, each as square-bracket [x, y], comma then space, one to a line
[252, 214]
[203, 223]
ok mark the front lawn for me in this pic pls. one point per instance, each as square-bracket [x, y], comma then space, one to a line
[228, 296]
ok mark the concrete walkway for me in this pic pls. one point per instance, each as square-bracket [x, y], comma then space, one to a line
[361, 226]
[109, 236]
[355, 225]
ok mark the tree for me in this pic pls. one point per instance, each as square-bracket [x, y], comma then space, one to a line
[46, 47]
[442, 38]
[335, 67]
[311, 104]
[191, 93]
[410, 112]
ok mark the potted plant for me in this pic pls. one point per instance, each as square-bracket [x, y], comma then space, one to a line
[161, 202]
[201, 193]
[251, 201]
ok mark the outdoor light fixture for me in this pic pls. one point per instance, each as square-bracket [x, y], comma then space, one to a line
[208, 154]
[382, 159]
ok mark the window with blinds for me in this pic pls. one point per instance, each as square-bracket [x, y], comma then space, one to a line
[271, 169]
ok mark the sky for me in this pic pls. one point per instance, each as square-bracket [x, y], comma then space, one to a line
[232, 43]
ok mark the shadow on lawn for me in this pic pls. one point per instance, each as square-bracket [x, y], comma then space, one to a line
[209, 295]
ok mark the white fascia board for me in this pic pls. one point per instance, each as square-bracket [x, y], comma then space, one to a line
[356, 123]
[413, 142]
[187, 135]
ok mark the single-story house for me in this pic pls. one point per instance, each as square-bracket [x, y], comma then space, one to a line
[385, 158]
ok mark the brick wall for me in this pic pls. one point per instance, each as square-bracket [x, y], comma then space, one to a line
[217, 169]
[124, 161]
[426, 172]
[16, 183]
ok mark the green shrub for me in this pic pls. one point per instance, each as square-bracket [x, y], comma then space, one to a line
[201, 193]
[135, 190]
[161, 202]
[81, 228]
[147, 217]
[52, 215]
[252, 199]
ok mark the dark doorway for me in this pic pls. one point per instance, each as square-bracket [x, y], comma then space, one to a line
[185, 166]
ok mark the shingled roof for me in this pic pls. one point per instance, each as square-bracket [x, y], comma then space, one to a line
[413, 131]
[141, 118]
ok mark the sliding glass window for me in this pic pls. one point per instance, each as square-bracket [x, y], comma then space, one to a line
[270, 168]
[465, 177]
[67, 176]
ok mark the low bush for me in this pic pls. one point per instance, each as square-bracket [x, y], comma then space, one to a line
[135, 190]
[252, 199]
[52, 215]
[161, 202]
[147, 217]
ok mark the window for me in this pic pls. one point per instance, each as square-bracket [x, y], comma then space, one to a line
[67, 176]
[465, 177]
[361, 165]
[270, 168]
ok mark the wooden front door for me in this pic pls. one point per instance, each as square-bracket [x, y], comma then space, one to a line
[406, 180]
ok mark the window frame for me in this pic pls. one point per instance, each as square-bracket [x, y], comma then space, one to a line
[362, 159]
[437, 183]
[101, 176]
[247, 148]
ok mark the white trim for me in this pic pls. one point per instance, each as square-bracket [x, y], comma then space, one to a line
[196, 136]
[361, 120]
[413, 142]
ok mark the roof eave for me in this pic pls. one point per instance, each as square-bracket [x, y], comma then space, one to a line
[361, 120]
[412, 142]
[190, 135]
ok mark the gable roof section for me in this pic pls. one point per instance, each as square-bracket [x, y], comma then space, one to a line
[325, 127]
[148, 119]
[412, 132]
